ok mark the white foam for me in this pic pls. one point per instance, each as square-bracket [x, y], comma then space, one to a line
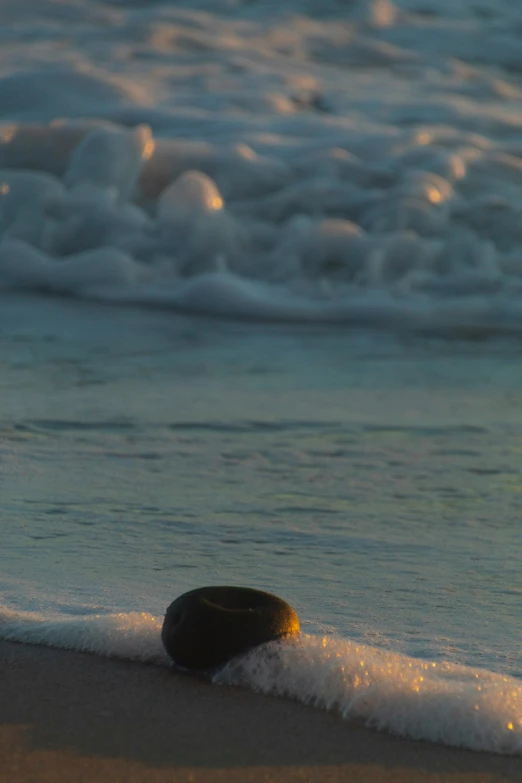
[211, 138]
[25, 268]
[132, 635]
[110, 158]
[25, 200]
[420, 699]
[194, 224]
[427, 700]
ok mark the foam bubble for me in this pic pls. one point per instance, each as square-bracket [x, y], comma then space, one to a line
[191, 195]
[108, 158]
[25, 197]
[87, 220]
[194, 223]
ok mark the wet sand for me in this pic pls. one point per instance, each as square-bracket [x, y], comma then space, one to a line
[67, 716]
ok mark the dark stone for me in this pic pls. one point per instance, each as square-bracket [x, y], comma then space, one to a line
[205, 628]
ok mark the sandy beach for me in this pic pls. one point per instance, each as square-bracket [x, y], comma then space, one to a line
[67, 716]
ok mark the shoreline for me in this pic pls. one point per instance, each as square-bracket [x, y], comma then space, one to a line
[74, 716]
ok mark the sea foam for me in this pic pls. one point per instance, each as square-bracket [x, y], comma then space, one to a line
[411, 697]
[358, 163]
[133, 636]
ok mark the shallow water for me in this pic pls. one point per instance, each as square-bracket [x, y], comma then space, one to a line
[375, 483]
[259, 323]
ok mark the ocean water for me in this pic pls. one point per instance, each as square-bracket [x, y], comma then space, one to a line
[260, 320]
